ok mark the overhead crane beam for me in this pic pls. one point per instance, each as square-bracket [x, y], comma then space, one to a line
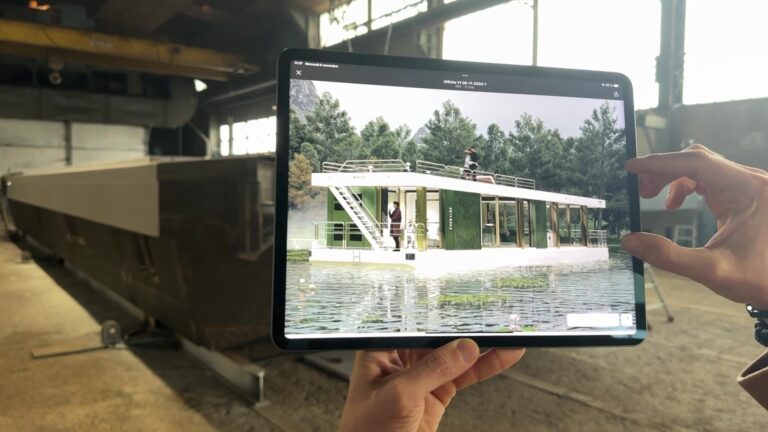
[100, 49]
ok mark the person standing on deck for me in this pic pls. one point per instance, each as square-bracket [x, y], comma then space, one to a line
[395, 217]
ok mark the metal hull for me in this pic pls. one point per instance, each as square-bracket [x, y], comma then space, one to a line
[207, 274]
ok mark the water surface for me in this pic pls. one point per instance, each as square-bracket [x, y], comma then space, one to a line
[345, 298]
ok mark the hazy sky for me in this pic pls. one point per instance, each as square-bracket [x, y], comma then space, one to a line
[414, 106]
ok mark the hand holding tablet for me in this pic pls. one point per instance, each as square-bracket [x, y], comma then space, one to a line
[410, 389]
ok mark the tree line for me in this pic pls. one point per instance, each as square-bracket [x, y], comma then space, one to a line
[590, 164]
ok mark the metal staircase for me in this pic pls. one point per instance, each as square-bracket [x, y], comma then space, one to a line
[359, 215]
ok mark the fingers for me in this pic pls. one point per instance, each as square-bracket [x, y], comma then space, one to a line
[678, 191]
[699, 264]
[697, 163]
[491, 363]
[445, 393]
[651, 185]
[375, 363]
[441, 366]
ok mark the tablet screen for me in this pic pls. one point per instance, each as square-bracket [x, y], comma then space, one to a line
[443, 203]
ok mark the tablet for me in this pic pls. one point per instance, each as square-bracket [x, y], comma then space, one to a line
[423, 200]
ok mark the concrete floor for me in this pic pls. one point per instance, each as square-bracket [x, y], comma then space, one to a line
[681, 379]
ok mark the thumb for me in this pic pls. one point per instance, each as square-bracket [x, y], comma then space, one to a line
[442, 365]
[699, 264]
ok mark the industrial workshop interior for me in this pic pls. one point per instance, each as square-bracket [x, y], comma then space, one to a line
[138, 206]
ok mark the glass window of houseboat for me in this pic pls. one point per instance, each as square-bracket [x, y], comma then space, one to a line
[526, 224]
[489, 223]
[508, 223]
[563, 224]
[433, 219]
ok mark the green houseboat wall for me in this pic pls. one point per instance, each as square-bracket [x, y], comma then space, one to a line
[538, 223]
[371, 197]
[421, 218]
[460, 220]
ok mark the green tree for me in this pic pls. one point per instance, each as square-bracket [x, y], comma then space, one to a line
[598, 169]
[599, 152]
[379, 141]
[449, 134]
[300, 133]
[300, 191]
[410, 152]
[309, 152]
[331, 131]
[538, 153]
[403, 133]
[616, 214]
[494, 150]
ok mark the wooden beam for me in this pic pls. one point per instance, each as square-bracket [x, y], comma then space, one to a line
[205, 13]
[119, 52]
[318, 6]
[142, 15]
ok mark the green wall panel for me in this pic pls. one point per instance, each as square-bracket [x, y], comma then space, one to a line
[460, 220]
[538, 228]
[421, 218]
[336, 213]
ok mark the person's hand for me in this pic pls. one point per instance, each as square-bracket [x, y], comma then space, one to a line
[734, 263]
[408, 390]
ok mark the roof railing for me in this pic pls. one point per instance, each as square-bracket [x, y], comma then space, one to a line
[383, 165]
[452, 171]
[424, 167]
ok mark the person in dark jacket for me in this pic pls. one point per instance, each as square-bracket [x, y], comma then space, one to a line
[395, 218]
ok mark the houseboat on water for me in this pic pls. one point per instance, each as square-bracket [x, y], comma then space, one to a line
[451, 221]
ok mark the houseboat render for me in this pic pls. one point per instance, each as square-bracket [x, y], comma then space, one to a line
[451, 221]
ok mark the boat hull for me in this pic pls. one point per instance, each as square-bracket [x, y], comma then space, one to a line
[207, 271]
[439, 260]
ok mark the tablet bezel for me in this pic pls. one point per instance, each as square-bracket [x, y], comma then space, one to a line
[492, 340]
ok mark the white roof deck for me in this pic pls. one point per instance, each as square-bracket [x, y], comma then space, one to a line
[415, 179]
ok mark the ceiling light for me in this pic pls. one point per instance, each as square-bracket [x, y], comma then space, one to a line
[41, 7]
[200, 86]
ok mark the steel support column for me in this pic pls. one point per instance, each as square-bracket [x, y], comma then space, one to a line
[68, 142]
[670, 63]
[535, 59]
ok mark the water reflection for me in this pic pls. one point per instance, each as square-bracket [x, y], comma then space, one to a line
[327, 298]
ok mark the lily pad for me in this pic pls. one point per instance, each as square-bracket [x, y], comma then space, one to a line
[297, 256]
[469, 299]
[522, 282]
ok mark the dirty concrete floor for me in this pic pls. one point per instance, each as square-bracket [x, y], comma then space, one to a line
[681, 379]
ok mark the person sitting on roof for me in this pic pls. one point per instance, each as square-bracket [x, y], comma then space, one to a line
[470, 163]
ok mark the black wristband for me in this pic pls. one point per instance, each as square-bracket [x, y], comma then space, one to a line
[756, 313]
[761, 332]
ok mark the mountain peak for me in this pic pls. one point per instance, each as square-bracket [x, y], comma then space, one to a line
[303, 96]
